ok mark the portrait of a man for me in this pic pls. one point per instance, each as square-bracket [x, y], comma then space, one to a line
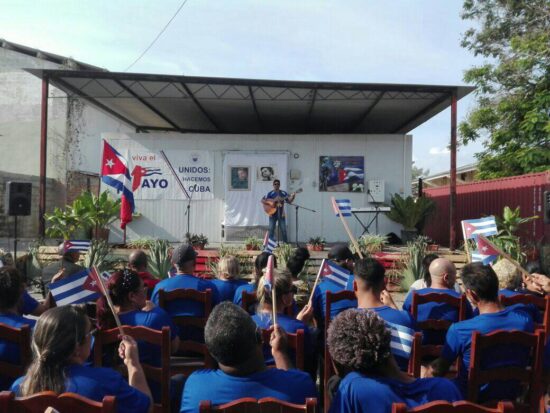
[239, 178]
[265, 173]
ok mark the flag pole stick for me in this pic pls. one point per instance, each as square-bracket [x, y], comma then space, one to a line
[466, 243]
[274, 305]
[350, 235]
[109, 302]
[316, 281]
[506, 256]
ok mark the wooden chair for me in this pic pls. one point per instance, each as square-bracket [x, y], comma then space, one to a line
[265, 405]
[295, 342]
[422, 351]
[331, 298]
[529, 375]
[157, 374]
[22, 338]
[183, 362]
[542, 303]
[456, 407]
[66, 402]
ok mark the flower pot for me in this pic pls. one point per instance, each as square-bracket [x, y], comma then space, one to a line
[408, 235]
[315, 247]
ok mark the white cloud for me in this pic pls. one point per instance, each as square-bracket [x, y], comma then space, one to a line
[439, 151]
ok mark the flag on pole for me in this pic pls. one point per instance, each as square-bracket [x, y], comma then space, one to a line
[268, 278]
[115, 173]
[336, 274]
[485, 253]
[342, 206]
[74, 245]
[486, 226]
[269, 243]
[78, 288]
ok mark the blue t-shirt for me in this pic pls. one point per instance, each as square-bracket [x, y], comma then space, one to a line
[320, 299]
[96, 383]
[459, 340]
[227, 288]
[358, 393]
[435, 311]
[238, 297]
[274, 195]
[292, 386]
[9, 351]
[29, 304]
[532, 309]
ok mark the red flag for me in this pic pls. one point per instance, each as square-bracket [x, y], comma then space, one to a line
[92, 282]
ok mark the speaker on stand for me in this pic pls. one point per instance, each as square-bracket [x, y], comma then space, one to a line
[17, 203]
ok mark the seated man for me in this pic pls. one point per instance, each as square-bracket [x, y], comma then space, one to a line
[359, 344]
[234, 341]
[443, 278]
[183, 258]
[481, 285]
[370, 289]
[138, 263]
[66, 266]
[342, 256]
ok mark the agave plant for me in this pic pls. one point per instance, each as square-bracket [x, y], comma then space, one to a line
[283, 253]
[369, 244]
[411, 212]
[160, 258]
[412, 262]
[97, 255]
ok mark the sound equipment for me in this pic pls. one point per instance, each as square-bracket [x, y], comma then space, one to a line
[18, 198]
[546, 207]
[271, 205]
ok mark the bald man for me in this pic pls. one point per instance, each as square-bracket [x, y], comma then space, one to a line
[443, 273]
[138, 262]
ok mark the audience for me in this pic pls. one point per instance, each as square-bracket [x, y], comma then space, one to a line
[61, 345]
[228, 278]
[295, 263]
[370, 289]
[259, 264]
[235, 343]
[66, 266]
[359, 344]
[518, 283]
[481, 284]
[138, 263]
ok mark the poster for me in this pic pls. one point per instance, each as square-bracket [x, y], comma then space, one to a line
[266, 173]
[342, 173]
[239, 178]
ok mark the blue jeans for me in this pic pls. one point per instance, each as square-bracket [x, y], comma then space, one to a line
[282, 226]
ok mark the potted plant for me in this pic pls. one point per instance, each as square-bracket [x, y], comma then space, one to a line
[62, 223]
[369, 244]
[412, 262]
[253, 244]
[102, 210]
[198, 241]
[412, 213]
[316, 244]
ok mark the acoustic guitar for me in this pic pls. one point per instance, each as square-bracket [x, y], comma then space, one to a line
[271, 205]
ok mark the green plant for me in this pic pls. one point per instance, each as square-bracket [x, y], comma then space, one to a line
[61, 223]
[102, 209]
[369, 244]
[254, 243]
[141, 243]
[197, 239]
[283, 253]
[97, 255]
[317, 241]
[160, 254]
[411, 212]
[412, 262]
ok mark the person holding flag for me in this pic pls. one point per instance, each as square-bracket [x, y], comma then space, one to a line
[259, 264]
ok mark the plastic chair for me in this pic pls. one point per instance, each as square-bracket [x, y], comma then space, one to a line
[456, 407]
[295, 342]
[265, 405]
[21, 337]
[66, 402]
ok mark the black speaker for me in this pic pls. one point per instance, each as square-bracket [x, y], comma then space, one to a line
[546, 207]
[18, 198]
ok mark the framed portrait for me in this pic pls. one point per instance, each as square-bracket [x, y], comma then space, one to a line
[266, 173]
[342, 174]
[239, 178]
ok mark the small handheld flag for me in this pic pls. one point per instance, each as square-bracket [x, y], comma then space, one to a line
[336, 274]
[485, 252]
[78, 288]
[269, 280]
[322, 266]
[269, 243]
[74, 245]
[344, 207]
[345, 224]
[486, 226]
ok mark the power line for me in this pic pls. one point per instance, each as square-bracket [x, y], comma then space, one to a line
[158, 35]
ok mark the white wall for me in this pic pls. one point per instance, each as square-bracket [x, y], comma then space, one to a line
[387, 157]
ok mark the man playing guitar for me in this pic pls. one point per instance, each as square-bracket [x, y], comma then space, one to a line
[274, 205]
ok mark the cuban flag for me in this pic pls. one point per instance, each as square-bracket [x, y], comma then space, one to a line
[486, 226]
[485, 253]
[401, 340]
[75, 245]
[81, 287]
[336, 274]
[342, 206]
[268, 277]
[269, 243]
[115, 173]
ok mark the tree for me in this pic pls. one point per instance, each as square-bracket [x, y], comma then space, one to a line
[512, 86]
[418, 172]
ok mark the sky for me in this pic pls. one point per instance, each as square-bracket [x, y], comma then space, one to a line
[371, 41]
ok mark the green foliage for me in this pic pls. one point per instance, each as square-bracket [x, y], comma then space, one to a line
[369, 244]
[411, 212]
[417, 172]
[513, 87]
[508, 225]
[97, 255]
[141, 243]
[317, 241]
[159, 262]
[254, 243]
[102, 209]
[197, 239]
[412, 262]
[62, 223]
[283, 253]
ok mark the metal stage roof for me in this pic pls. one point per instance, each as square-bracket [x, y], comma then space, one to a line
[150, 102]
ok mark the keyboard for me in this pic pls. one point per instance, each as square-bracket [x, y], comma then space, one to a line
[372, 209]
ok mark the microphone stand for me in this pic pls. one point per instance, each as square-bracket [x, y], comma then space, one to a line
[296, 208]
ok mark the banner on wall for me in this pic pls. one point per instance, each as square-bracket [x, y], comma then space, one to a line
[341, 174]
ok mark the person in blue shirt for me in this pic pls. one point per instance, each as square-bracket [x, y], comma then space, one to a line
[443, 278]
[61, 345]
[359, 344]
[343, 257]
[370, 289]
[481, 284]
[11, 294]
[277, 198]
[228, 278]
[259, 264]
[183, 259]
[235, 343]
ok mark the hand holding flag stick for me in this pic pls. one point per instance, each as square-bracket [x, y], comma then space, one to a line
[316, 281]
[350, 235]
[503, 254]
[104, 291]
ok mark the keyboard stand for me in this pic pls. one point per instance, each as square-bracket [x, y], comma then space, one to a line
[366, 229]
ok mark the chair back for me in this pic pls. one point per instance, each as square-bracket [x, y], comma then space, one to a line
[459, 303]
[528, 375]
[265, 405]
[457, 407]
[542, 303]
[66, 402]
[22, 338]
[249, 301]
[295, 342]
[158, 338]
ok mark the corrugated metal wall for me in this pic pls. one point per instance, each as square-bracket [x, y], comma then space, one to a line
[482, 198]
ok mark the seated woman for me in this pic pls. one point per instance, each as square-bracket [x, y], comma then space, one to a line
[129, 296]
[285, 299]
[12, 291]
[259, 264]
[228, 278]
[61, 344]
[359, 344]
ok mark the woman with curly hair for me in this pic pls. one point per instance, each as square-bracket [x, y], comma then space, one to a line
[359, 344]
